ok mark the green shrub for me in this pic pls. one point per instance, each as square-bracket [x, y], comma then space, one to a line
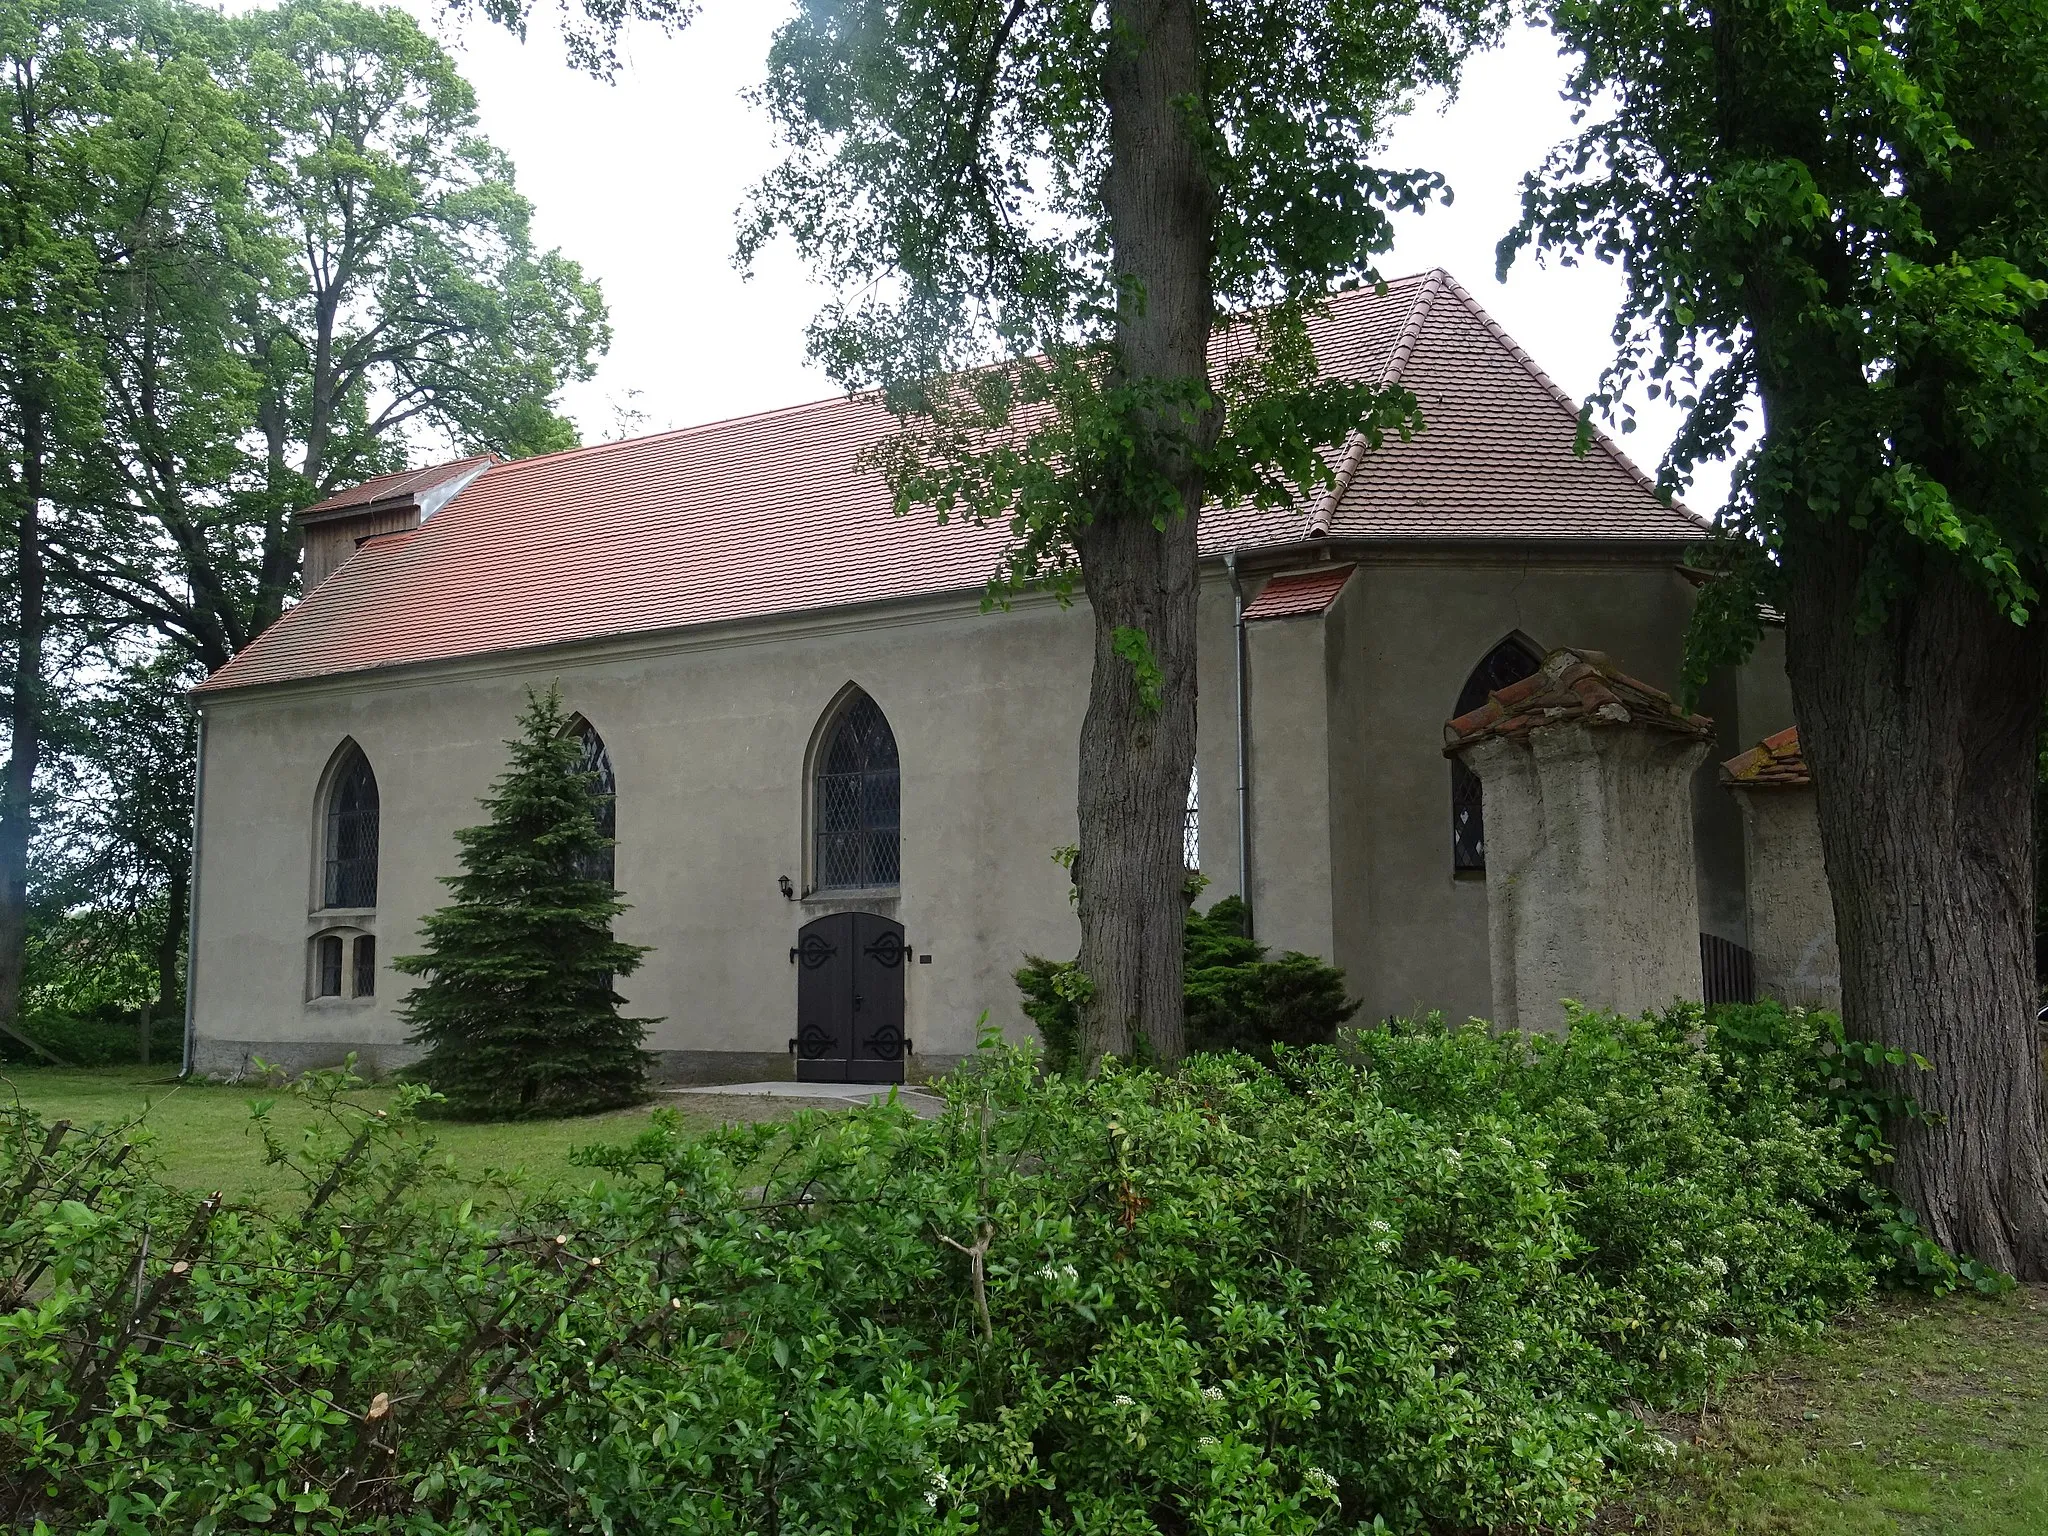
[1237, 999]
[1404, 1283]
[103, 1038]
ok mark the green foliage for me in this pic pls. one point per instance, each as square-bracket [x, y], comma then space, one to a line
[1856, 1083]
[1406, 1284]
[1132, 645]
[1237, 999]
[518, 1014]
[357, 287]
[1856, 244]
[945, 173]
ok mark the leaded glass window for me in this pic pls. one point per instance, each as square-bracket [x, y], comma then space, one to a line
[1508, 662]
[1191, 829]
[856, 805]
[366, 965]
[350, 878]
[327, 958]
[597, 762]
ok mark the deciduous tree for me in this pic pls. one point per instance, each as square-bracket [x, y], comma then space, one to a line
[109, 155]
[375, 284]
[1841, 212]
[1047, 222]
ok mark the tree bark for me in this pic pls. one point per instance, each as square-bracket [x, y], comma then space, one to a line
[1923, 740]
[1141, 571]
[170, 945]
[17, 787]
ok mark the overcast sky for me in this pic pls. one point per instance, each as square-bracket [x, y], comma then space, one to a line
[639, 181]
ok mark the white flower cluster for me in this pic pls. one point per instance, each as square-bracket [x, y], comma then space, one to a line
[1212, 1394]
[1322, 1482]
[1065, 1272]
[1120, 1401]
[1714, 1265]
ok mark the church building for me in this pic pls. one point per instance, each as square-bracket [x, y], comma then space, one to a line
[838, 784]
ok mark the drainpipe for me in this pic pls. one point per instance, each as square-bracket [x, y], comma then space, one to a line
[1244, 825]
[192, 890]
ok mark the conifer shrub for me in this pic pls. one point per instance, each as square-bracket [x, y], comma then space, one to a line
[1237, 999]
[518, 1013]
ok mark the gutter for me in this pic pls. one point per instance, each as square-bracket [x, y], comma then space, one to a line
[192, 894]
[1244, 827]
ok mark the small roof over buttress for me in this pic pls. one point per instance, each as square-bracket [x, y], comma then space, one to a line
[1773, 763]
[1582, 686]
[1286, 597]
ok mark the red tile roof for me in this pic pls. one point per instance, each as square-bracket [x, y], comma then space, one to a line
[1773, 763]
[1572, 685]
[775, 513]
[401, 485]
[1285, 597]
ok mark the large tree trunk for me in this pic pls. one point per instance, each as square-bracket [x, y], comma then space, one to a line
[18, 785]
[1138, 740]
[1922, 737]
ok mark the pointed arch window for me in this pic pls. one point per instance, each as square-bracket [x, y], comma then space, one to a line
[1509, 662]
[857, 802]
[349, 876]
[593, 759]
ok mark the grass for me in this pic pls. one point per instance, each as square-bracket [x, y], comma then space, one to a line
[205, 1138]
[1916, 1417]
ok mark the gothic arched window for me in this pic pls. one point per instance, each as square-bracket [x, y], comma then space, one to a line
[349, 877]
[856, 802]
[1508, 662]
[594, 760]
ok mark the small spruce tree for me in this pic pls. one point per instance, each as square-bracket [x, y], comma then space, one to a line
[518, 1013]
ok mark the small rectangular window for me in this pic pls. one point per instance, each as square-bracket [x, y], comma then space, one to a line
[366, 965]
[329, 962]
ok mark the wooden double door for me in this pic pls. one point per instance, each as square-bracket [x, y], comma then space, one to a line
[849, 999]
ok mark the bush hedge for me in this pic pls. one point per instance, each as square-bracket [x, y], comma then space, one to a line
[1404, 1283]
[1237, 999]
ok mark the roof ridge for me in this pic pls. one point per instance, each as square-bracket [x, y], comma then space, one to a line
[822, 400]
[1427, 286]
[689, 431]
[1599, 434]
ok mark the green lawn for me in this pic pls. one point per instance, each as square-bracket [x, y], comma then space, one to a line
[203, 1135]
[1917, 1417]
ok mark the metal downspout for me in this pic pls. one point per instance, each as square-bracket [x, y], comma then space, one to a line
[192, 891]
[1244, 826]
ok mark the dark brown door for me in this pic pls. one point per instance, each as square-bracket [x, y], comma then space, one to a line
[849, 999]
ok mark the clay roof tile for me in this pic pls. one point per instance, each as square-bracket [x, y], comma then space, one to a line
[1569, 686]
[1302, 592]
[1773, 763]
[783, 512]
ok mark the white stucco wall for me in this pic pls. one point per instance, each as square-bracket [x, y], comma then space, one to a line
[1791, 913]
[1589, 870]
[1411, 626]
[708, 733]
[708, 736]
